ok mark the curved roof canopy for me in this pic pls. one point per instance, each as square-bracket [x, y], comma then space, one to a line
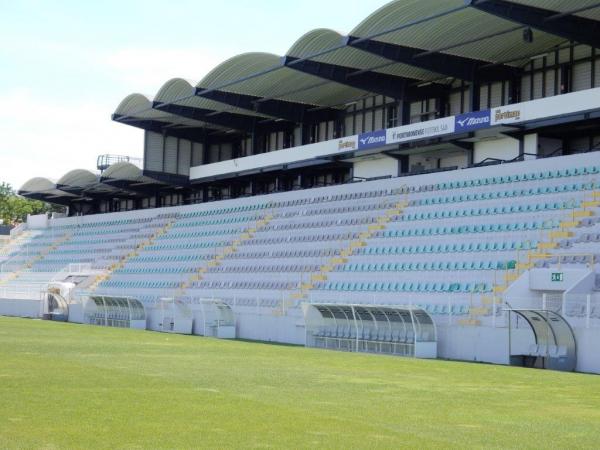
[38, 184]
[122, 179]
[79, 178]
[83, 182]
[396, 51]
[39, 188]
[125, 171]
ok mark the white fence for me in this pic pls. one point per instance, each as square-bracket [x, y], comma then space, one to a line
[31, 291]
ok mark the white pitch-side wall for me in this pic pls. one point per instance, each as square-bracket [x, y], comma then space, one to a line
[377, 167]
[20, 308]
[263, 325]
[588, 356]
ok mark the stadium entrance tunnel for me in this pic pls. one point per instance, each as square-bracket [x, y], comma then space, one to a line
[553, 347]
[393, 330]
[55, 306]
[119, 312]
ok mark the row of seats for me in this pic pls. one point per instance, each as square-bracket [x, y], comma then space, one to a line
[463, 247]
[138, 284]
[499, 210]
[105, 223]
[428, 266]
[216, 222]
[331, 198]
[153, 270]
[293, 268]
[188, 246]
[322, 224]
[472, 229]
[515, 193]
[406, 286]
[255, 285]
[531, 176]
[200, 234]
[365, 334]
[147, 259]
[223, 211]
[306, 253]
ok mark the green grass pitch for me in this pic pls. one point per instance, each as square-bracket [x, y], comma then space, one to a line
[74, 386]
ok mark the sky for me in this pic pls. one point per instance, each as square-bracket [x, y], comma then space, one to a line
[66, 65]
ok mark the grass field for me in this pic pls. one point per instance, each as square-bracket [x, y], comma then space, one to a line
[73, 386]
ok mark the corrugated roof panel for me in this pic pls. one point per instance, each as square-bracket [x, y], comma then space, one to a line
[38, 184]
[138, 106]
[239, 66]
[457, 30]
[181, 92]
[322, 40]
[78, 178]
[127, 172]
[401, 12]
[275, 81]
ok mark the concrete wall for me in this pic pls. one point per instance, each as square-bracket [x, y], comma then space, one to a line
[582, 280]
[588, 355]
[455, 342]
[376, 167]
[507, 148]
[20, 308]
[37, 222]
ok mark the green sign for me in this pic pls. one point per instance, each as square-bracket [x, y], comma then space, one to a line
[558, 277]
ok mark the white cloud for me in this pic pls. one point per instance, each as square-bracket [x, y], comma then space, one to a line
[42, 138]
[46, 135]
[148, 69]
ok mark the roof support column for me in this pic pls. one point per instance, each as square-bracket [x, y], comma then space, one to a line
[474, 96]
[514, 90]
[403, 112]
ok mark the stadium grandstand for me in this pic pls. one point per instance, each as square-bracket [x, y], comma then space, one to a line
[427, 185]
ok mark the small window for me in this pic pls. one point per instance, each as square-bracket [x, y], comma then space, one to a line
[392, 116]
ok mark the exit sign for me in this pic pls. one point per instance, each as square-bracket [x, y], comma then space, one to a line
[558, 277]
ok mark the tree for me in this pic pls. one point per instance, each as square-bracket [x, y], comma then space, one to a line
[14, 208]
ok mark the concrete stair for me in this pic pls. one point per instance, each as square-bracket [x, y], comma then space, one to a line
[217, 260]
[39, 257]
[544, 251]
[346, 253]
[125, 258]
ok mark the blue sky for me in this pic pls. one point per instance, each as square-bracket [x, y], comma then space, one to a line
[65, 65]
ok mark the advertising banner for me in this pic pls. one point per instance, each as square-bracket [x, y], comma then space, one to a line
[508, 114]
[373, 139]
[421, 130]
[473, 121]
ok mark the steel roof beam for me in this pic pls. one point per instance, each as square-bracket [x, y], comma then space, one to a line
[240, 122]
[378, 83]
[192, 134]
[573, 28]
[221, 119]
[460, 67]
[282, 109]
